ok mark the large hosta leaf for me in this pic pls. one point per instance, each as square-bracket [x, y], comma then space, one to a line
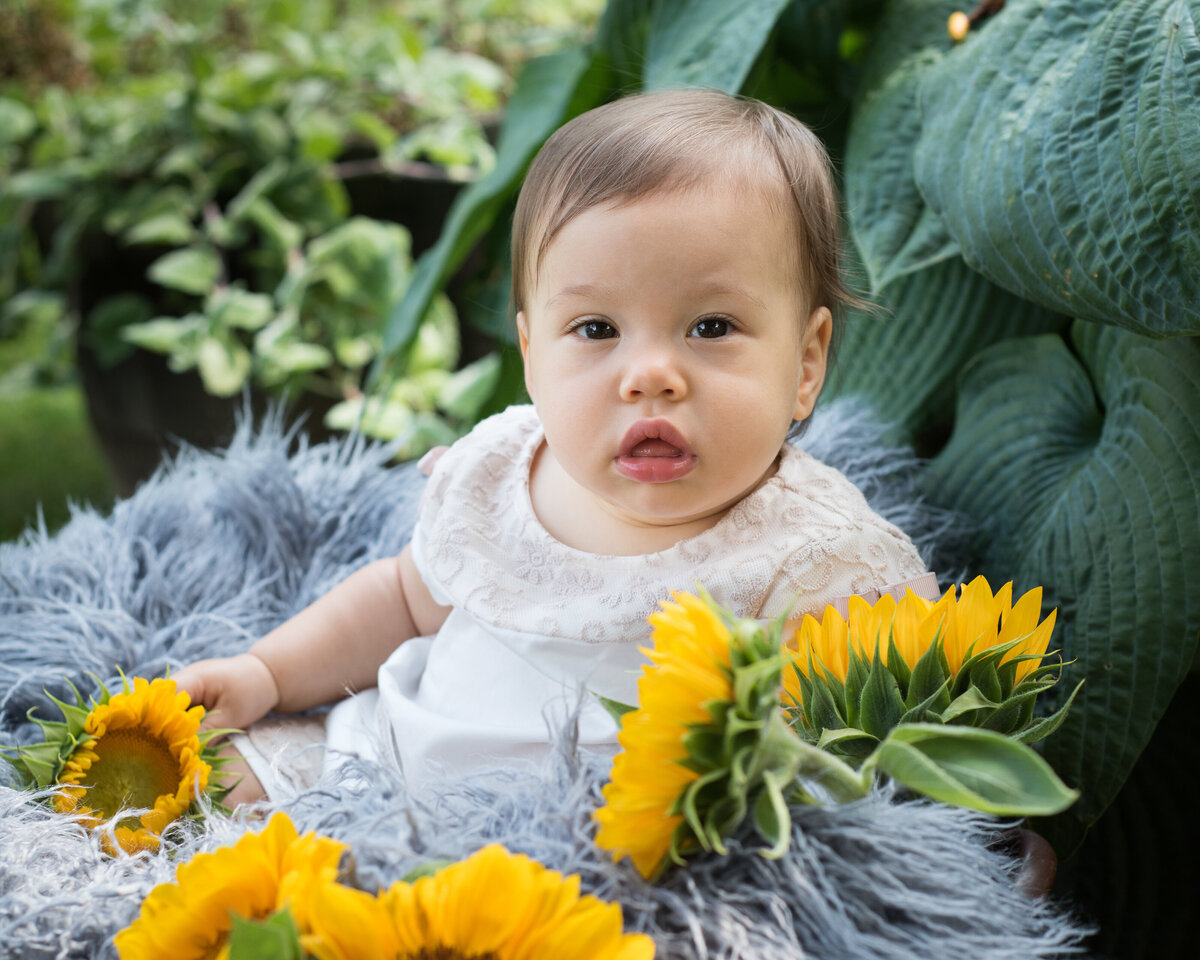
[710, 43]
[1084, 468]
[906, 360]
[894, 229]
[1061, 146]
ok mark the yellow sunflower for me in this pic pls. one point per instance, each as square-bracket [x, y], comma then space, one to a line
[966, 626]
[190, 919]
[959, 658]
[691, 669]
[139, 748]
[494, 905]
[981, 621]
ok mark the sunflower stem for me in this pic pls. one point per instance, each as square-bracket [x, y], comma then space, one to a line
[818, 773]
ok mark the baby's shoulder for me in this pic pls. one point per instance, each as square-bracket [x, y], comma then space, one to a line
[809, 486]
[485, 462]
[834, 543]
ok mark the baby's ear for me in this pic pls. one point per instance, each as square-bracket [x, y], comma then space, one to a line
[523, 341]
[523, 333]
[814, 356]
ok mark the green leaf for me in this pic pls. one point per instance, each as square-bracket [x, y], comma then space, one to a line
[427, 869]
[164, 334]
[276, 938]
[974, 768]
[986, 680]
[364, 262]
[906, 360]
[824, 778]
[706, 43]
[241, 309]
[192, 269]
[550, 90]
[771, 817]
[39, 764]
[1047, 725]
[615, 708]
[172, 229]
[1014, 714]
[880, 704]
[321, 134]
[437, 344]
[354, 352]
[970, 701]
[856, 679]
[50, 183]
[1060, 145]
[224, 366]
[898, 666]
[17, 121]
[278, 229]
[929, 687]
[465, 393]
[257, 188]
[822, 712]
[298, 357]
[894, 229]
[1082, 465]
[841, 736]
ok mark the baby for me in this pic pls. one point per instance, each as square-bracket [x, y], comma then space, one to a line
[675, 273]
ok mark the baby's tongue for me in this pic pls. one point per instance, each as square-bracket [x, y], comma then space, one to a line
[655, 448]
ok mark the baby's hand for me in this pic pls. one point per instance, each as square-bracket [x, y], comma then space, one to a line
[234, 691]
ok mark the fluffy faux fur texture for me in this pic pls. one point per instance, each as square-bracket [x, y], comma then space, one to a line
[217, 549]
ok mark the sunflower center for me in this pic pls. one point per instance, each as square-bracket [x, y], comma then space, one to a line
[447, 953]
[133, 769]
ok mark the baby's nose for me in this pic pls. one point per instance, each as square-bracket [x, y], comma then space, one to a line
[656, 374]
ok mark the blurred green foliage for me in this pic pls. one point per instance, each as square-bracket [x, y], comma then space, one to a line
[206, 152]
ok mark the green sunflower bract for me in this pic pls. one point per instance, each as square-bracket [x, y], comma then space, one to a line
[140, 749]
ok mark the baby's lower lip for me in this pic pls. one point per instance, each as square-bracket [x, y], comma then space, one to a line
[655, 469]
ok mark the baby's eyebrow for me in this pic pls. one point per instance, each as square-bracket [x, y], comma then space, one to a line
[594, 291]
[718, 288]
[581, 290]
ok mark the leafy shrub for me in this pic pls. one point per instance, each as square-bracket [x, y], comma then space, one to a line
[206, 147]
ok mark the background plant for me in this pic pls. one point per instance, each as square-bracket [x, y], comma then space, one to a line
[214, 147]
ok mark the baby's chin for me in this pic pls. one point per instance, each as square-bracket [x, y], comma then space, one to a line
[677, 504]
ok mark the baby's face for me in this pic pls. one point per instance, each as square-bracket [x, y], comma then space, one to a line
[668, 349]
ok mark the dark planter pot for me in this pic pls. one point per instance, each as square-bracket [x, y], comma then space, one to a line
[141, 411]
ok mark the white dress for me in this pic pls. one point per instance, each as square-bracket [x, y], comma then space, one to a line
[536, 626]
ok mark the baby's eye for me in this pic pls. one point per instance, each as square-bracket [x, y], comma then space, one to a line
[596, 330]
[710, 328]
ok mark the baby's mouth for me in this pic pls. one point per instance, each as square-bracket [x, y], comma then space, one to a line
[653, 451]
[655, 448]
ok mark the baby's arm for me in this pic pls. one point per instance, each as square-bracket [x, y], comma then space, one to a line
[330, 648]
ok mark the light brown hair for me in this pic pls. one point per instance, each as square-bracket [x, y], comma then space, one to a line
[669, 141]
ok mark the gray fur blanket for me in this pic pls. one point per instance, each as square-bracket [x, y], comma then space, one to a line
[217, 549]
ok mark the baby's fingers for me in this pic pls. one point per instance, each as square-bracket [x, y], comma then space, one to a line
[201, 681]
